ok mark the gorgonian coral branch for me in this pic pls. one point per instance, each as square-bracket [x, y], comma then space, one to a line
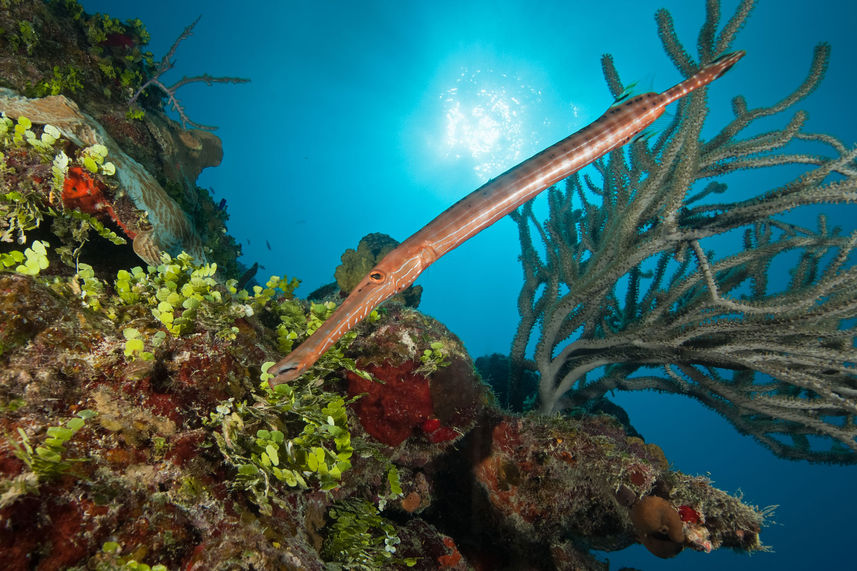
[625, 291]
[167, 64]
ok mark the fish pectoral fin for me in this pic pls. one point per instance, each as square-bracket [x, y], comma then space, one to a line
[428, 255]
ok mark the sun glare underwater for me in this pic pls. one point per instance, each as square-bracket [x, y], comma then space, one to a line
[490, 117]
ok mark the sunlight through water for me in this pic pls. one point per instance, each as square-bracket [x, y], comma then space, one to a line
[490, 119]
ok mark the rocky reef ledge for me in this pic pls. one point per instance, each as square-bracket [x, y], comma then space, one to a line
[171, 459]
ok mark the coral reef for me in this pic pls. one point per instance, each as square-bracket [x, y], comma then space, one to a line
[116, 429]
[628, 296]
[427, 381]
[157, 160]
[138, 428]
[546, 477]
[39, 182]
[171, 229]
[150, 478]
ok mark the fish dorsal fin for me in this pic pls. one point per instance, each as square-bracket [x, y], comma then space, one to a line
[634, 88]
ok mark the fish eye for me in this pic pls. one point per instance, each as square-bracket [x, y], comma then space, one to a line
[376, 276]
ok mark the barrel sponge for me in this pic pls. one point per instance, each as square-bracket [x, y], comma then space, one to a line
[658, 526]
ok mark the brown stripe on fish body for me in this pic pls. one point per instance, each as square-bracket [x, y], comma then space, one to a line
[401, 266]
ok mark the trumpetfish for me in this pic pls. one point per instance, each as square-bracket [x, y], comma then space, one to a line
[487, 204]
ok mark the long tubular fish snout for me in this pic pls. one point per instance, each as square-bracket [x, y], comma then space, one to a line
[722, 64]
[284, 371]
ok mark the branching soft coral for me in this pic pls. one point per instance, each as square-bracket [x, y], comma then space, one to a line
[167, 64]
[629, 296]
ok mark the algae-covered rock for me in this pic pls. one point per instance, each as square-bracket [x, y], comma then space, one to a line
[357, 263]
[171, 229]
[77, 72]
[141, 470]
[428, 387]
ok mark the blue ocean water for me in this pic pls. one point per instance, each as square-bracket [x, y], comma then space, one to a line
[375, 116]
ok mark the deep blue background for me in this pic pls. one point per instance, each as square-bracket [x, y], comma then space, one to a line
[341, 132]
